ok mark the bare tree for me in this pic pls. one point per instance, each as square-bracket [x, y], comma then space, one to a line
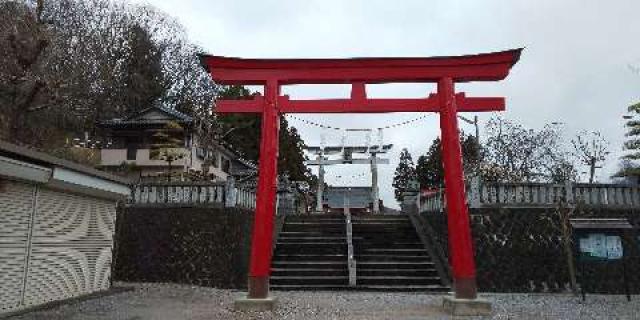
[23, 88]
[513, 153]
[66, 64]
[590, 148]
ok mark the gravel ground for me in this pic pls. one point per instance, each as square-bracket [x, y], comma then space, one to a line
[169, 301]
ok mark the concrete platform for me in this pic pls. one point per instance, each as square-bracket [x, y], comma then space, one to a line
[246, 304]
[466, 307]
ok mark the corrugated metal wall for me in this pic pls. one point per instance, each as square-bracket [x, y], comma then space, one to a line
[53, 245]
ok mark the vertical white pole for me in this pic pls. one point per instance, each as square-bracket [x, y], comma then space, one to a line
[320, 181]
[374, 183]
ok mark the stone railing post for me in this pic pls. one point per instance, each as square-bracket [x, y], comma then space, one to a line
[411, 198]
[568, 186]
[474, 192]
[231, 193]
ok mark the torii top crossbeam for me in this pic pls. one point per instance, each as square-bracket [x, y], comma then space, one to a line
[445, 71]
[358, 72]
[479, 67]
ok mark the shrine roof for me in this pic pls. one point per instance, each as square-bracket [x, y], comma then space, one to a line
[478, 67]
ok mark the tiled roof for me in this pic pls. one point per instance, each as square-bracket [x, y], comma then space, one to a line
[131, 120]
[171, 111]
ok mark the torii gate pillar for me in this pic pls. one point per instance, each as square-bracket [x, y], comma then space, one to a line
[260, 264]
[460, 244]
[272, 73]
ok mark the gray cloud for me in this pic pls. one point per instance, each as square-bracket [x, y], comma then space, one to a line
[574, 69]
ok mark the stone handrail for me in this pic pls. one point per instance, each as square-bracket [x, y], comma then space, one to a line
[531, 194]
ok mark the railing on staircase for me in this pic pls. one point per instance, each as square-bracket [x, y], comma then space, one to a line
[351, 261]
[426, 235]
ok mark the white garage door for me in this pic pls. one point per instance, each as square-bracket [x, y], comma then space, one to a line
[16, 207]
[66, 252]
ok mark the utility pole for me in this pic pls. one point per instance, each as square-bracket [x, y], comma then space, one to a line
[477, 127]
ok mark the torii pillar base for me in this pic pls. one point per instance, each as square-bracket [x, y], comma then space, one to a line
[258, 298]
[466, 307]
[249, 304]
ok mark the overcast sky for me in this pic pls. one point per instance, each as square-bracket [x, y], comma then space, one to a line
[575, 68]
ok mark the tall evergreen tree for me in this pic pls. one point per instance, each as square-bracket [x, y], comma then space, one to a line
[631, 167]
[242, 131]
[405, 173]
[143, 83]
[429, 170]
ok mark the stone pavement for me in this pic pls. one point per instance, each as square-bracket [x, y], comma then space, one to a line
[169, 301]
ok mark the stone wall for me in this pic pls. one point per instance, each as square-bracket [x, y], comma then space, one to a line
[522, 250]
[201, 246]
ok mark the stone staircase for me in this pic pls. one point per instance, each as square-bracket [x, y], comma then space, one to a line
[311, 254]
[391, 257]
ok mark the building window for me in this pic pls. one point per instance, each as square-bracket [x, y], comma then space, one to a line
[215, 160]
[131, 152]
[226, 165]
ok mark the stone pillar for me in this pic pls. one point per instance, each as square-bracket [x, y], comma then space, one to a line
[320, 191]
[231, 193]
[411, 198]
[374, 184]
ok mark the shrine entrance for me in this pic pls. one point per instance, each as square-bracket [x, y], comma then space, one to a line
[358, 72]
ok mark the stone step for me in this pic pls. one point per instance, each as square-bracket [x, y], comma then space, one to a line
[315, 223]
[316, 229]
[379, 217]
[330, 250]
[394, 265]
[391, 251]
[340, 220]
[311, 257]
[282, 238]
[382, 239]
[311, 254]
[316, 287]
[310, 280]
[404, 288]
[397, 280]
[316, 243]
[362, 245]
[384, 232]
[366, 227]
[381, 221]
[379, 257]
[316, 216]
[312, 226]
[423, 272]
[287, 234]
[310, 272]
[305, 264]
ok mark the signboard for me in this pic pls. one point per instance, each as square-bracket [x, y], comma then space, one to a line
[600, 240]
[599, 246]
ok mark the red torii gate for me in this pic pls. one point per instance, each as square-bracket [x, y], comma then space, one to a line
[445, 71]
